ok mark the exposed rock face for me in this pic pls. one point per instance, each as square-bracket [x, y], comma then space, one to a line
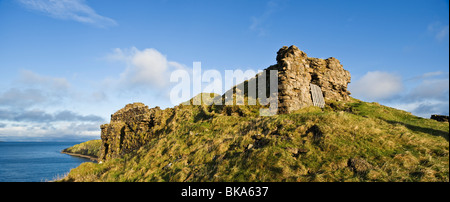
[441, 118]
[131, 113]
[130, 127]
[135, 125]
[296, 71]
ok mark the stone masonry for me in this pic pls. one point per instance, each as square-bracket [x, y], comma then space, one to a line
[295, 73]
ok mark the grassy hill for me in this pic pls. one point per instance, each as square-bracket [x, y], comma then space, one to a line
[345, 141]
[89, 149]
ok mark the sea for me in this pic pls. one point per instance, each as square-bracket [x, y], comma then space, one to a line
[36, 161]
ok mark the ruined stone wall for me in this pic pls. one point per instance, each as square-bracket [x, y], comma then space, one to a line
[296, 71]
[130, 128]
[131, 113]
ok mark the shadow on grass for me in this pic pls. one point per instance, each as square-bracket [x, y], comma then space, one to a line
[202, 115]
[430, 131]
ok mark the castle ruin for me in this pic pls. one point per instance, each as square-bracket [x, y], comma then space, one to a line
[296, 71]
[302, 82]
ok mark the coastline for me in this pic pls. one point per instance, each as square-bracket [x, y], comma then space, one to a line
[92, 158]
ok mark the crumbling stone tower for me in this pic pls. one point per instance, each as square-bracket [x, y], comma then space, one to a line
[296, 71]
[302, 81]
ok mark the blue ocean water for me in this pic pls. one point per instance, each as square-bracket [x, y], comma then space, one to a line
[35, 161]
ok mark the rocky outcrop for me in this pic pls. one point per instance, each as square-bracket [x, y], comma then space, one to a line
[440, 118]
[136, 124]
[359, 165]
[130, 127]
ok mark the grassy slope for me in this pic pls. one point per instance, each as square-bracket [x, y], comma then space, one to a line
[90, 148]
[355, 141]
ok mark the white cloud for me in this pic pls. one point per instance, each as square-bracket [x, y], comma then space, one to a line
[437, 89]
[64, 131]
[430, 96]
[427, 93]
[76, 10]
[32, 89]
[22, 98]
[38, 107]
[148, 66]
[145, 68]
[376, 85]
[424, 108]
[421, 95]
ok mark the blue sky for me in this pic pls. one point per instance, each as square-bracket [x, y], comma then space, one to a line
[67, 65]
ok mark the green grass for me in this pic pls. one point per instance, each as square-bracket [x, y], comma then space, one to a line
[90, 148]
[347, 141]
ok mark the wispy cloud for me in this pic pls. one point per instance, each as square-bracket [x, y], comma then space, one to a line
[76, 10]
[22, 98]
[259, 22]
[427, 75]
[440, 31]
[30, 78]
[40, 116]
